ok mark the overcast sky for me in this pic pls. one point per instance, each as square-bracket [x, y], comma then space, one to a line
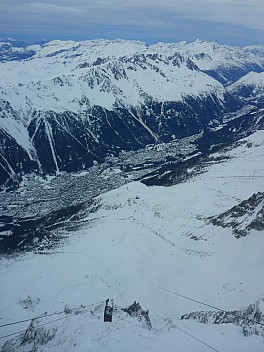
[237, 22]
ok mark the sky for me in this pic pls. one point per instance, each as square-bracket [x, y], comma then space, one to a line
[235, 22]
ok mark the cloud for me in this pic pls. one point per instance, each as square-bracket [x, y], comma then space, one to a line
[245, 13]
[148, 18]
[51, 8]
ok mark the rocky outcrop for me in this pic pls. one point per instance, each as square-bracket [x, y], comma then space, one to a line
[244, 217]
[250, 318]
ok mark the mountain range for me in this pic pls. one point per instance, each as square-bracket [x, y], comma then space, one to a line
[67, 105]
[131, 175]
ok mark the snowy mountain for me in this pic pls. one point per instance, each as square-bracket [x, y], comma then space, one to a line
[249, 87]
[70, 104]
[11, 49]
[132, 175]
[225, 63]
[156, 246]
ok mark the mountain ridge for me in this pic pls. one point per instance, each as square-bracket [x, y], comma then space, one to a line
[74, 103]
[136, 243]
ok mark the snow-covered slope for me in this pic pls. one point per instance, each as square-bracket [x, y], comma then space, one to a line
[102, 73]
[78, 102]
[223, 62]
[132, 240]
[109, 72]
[251, 86]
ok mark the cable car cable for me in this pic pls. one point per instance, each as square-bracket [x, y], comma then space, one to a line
[37, 326]
[48, 315]
[185, 332]
[205, 304]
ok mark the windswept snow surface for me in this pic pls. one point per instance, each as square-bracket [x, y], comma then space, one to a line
[138, 236]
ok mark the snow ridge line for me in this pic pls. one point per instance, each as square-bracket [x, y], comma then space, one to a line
[205, 304]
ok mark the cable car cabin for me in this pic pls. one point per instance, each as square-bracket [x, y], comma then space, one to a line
[108, 312]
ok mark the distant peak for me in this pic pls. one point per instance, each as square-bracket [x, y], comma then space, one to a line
[202, 41]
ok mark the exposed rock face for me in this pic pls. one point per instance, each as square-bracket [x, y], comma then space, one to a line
[246, 216]
[136, 311]
[66, 105]
[250, 318]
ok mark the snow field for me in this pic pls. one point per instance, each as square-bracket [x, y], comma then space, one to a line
[142, 235]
